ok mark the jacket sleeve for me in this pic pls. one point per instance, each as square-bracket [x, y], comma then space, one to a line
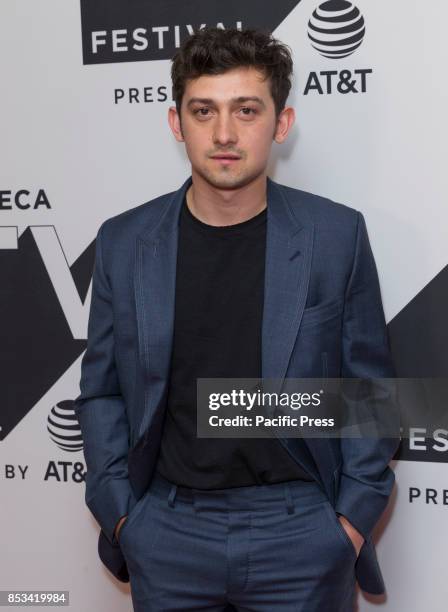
[101, 411]
[366, 479]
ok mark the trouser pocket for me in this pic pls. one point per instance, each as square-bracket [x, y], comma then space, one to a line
[343, 535]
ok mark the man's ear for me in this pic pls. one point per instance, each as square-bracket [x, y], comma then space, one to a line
[175, 123]
[285, 122]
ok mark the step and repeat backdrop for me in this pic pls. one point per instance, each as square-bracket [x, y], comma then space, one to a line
[85, 94]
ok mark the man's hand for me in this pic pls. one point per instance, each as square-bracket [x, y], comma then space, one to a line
[118, 526]
[354, 535]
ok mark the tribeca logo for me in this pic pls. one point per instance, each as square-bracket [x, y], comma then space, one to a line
[122, 31]
[140, 39]
[23, 199]
[336, 29]
[45, 311]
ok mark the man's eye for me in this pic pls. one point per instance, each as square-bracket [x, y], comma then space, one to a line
[246, 110]
[203, 112]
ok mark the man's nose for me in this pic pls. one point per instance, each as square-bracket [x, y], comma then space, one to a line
[224, 131]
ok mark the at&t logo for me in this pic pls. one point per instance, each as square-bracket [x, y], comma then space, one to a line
[63, 427]
[336, 29]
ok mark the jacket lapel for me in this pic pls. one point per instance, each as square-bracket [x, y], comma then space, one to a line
[289, 243]
[155, 284]
[289, 246]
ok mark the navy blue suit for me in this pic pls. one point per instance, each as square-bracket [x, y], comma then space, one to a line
[322, 316]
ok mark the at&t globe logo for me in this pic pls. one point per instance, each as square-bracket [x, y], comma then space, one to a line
[63, 427]
[336, 29]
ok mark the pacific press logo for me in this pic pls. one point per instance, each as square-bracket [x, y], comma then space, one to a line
[336, 30]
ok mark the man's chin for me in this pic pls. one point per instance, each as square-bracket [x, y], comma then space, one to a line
[229, 181]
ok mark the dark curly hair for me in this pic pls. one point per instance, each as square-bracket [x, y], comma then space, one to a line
[215, 51]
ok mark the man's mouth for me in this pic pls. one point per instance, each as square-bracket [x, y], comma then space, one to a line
[226, 157]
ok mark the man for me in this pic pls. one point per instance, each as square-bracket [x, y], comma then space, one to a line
[231, 276]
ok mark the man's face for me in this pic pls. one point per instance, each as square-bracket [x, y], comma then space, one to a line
[228, 124]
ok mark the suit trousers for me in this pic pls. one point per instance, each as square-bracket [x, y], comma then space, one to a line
[262, 548]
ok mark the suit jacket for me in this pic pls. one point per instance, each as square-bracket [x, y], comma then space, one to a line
[322, 316]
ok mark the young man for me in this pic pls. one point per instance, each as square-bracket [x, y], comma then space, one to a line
[231, 276]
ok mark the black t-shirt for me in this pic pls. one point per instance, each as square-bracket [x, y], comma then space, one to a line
[217, 334]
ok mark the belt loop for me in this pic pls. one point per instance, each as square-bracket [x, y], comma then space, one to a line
[172, 495]
[288, 497]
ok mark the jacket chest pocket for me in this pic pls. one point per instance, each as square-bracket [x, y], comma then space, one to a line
[322, 314]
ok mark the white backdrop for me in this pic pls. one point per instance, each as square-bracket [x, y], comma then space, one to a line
[382, 151]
